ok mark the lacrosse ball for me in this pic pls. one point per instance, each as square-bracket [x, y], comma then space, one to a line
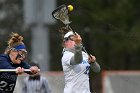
[70, 7]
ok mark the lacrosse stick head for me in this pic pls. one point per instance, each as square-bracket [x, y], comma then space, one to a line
[61, 13]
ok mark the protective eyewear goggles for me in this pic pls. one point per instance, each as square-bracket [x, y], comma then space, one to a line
[69, 38]
[20, 51]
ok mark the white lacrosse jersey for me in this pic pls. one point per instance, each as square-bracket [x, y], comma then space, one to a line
[76, 76]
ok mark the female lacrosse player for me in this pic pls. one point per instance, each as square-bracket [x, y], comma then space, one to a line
[13, 59]
[76, 64]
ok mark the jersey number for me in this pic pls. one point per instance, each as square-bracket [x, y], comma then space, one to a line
[4, 86]
[87, 70]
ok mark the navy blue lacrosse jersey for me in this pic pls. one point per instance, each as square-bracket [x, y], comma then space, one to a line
[8, 79]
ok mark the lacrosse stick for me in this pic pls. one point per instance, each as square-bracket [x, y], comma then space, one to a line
[61, 13]
[14, 70]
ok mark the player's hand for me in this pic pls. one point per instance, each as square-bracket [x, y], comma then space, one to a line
[77, 39]
[19, 70]
[34, 69]
[91, 59]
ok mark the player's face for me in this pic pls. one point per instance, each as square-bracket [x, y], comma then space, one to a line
[69, 43]
[17, 56]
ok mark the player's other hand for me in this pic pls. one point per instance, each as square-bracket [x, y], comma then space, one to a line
[34, 69]
[91, 59]
[19, 70]
[77, 39]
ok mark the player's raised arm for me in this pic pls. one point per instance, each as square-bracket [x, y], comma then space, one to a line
[94, 65]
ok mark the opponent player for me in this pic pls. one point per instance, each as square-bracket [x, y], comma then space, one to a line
[76, 64]
[13, 59]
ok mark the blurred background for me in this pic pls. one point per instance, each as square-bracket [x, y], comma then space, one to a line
[110, 30]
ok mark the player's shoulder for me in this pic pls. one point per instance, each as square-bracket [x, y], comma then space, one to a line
[67, 55]
[3, 57]
[4, 61]
[68, 52]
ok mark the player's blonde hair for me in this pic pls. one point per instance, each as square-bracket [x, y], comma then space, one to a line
[63, 31]
[15, 40]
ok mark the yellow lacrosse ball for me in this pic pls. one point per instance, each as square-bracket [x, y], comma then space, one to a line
[70, 7]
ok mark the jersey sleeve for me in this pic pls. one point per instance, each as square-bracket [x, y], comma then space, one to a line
[25, 65]
[95, 67]
[5, 65]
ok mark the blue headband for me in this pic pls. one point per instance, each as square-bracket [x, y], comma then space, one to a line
[20, 47]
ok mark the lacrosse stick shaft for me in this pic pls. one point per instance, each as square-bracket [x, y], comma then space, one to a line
[14, 70]
[68, 27]
[85, 50]
[82, 45]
